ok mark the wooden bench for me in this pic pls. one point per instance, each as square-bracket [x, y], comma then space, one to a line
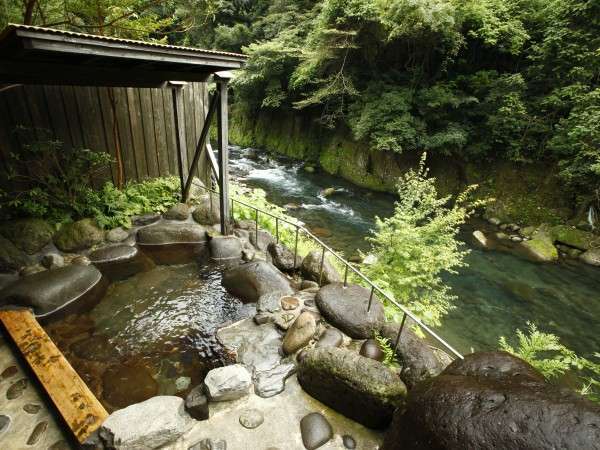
[78, 406]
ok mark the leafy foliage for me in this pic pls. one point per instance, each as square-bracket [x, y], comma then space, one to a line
[417, 244]
[389, 359]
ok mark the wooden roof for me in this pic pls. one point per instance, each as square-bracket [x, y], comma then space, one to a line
[35, 55]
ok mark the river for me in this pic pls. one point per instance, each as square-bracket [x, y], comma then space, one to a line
[497, 293]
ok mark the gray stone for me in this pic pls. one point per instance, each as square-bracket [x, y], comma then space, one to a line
[300, 333]
[311, 269]
[346, 308]
[172, 233]
[370, 349]
[52, 261]
[272, 382]
[493, 400]
[591, 257]
[494, 221]
[146, 425]
[210, 444]
[349, 441]
[309, 284]
[289, 303]
[182, 383]
[207, 213]
[80, 235]
[11, 258]
[251, 418]
[262, 318]
[225, 248]
[69, 288]
[269, 303]
[16, 389]
[4, 423]
[251, 280]
[283, 257]
[316, 430]
[113, 254]
[264, 239]
[480, 238]
[145, 219]
[227, 383]
[248, 255]
[29, 235]
[419, 360]
[31, 270]
[360, 388]
[31, 408]
[330, 338]
[37, 433]
[196, 403]
[179, 211]
[116, 235]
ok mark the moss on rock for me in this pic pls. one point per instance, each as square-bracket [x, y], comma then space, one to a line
[78, 235]
[574, 237]
[30, 235]
[541, 248]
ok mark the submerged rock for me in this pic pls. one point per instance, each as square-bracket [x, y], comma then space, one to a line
[252, 280]
[147, 425]
[196, 403]
[489, 401]
[79, 235]
[346, 308]
[316, 430]
[124, 384]
[29, 235]
[360, 388]
[311, 269]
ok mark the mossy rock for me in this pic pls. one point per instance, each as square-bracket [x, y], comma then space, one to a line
[11, 257]
[574, 237]
[79, 235]
[541, 248]
[30, 235]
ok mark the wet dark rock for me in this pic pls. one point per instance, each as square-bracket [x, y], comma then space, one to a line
[330, 338]
[52, 261]
[493, 400]
[120, 261]
[116, 235]
[172, 233]
[419, 360]
[360, 388]
[31, 270]
[272, 382]
[37, 433]
[225, 248]
[315, 430]
[346, 308]
[371, 349]
[113, 254]
[300, 333]
[348, 441]
[127, 384]
[79, 235]
[7, 279]
[210, 444]
[145, 219]
[179, 211]
[10, 371]
[251, 418]
[251, 280]
[283, 257]
[96, 348]
[32, 408]
[64, 290]
[11, 257]
[4, 423]
[196, 403]
[29, 235]
[311, 269]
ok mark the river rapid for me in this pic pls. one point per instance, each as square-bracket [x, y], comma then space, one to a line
[497, 293]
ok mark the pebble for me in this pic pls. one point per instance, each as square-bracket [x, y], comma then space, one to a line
[4, 423]
[349, 441]
[10, 371]
[16, 389]
[315, 430]
[32, 408]
[37, 433]
[182, 383]
[330, 338]
[251, 418]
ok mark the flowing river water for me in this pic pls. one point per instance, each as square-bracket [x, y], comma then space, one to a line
[497, 293]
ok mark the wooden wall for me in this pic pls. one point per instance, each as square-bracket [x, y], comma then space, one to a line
[82, 117]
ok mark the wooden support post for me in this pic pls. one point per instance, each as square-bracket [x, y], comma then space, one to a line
[180, 142]
[201, 142]
[222, 78]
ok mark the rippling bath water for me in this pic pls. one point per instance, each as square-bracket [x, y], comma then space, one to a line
[498, 292]
[152, 334]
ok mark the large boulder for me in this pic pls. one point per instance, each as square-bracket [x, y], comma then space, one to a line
[250, 281]
[574, 237]
[172, 233]
[419, 360]
[12, 258]
[146, 425]
[360, 388]
[261, 239]
[591, 257]
[66, 290]
[223, 248]
[490, 401]
[179, 211]
[346, 308]
[30, 235]
[120, 261]
[311, 269]
[79, 235]
[207, 211]
[283, 257]
[541, 248]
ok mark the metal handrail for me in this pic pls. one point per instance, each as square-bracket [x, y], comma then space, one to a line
[347, 265]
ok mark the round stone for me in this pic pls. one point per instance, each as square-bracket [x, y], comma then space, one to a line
[31, 408]
[4, 423]
[16, 389]
[37, 433]
[349, 441]
[288, 303]
[251, 418]
[10, 371]
[315, 430]
[371, 349]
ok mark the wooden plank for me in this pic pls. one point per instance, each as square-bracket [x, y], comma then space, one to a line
[137, 133]
[8, 141]
[58, 115]
[36, 102]
[122, 110]
[199, 116]
[73, 119]
[223, 135]
[160, 136]
[170, 131]
[180, 139]
[80, 409]
[110, 128]
[190, 125]
[148, 130]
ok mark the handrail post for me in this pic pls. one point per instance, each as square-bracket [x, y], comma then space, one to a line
[277, 229]
[256, 225]
[399, 332]
[370, 298]
[346, 275]
[321, 268]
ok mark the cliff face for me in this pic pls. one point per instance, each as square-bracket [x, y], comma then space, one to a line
[524, 193]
